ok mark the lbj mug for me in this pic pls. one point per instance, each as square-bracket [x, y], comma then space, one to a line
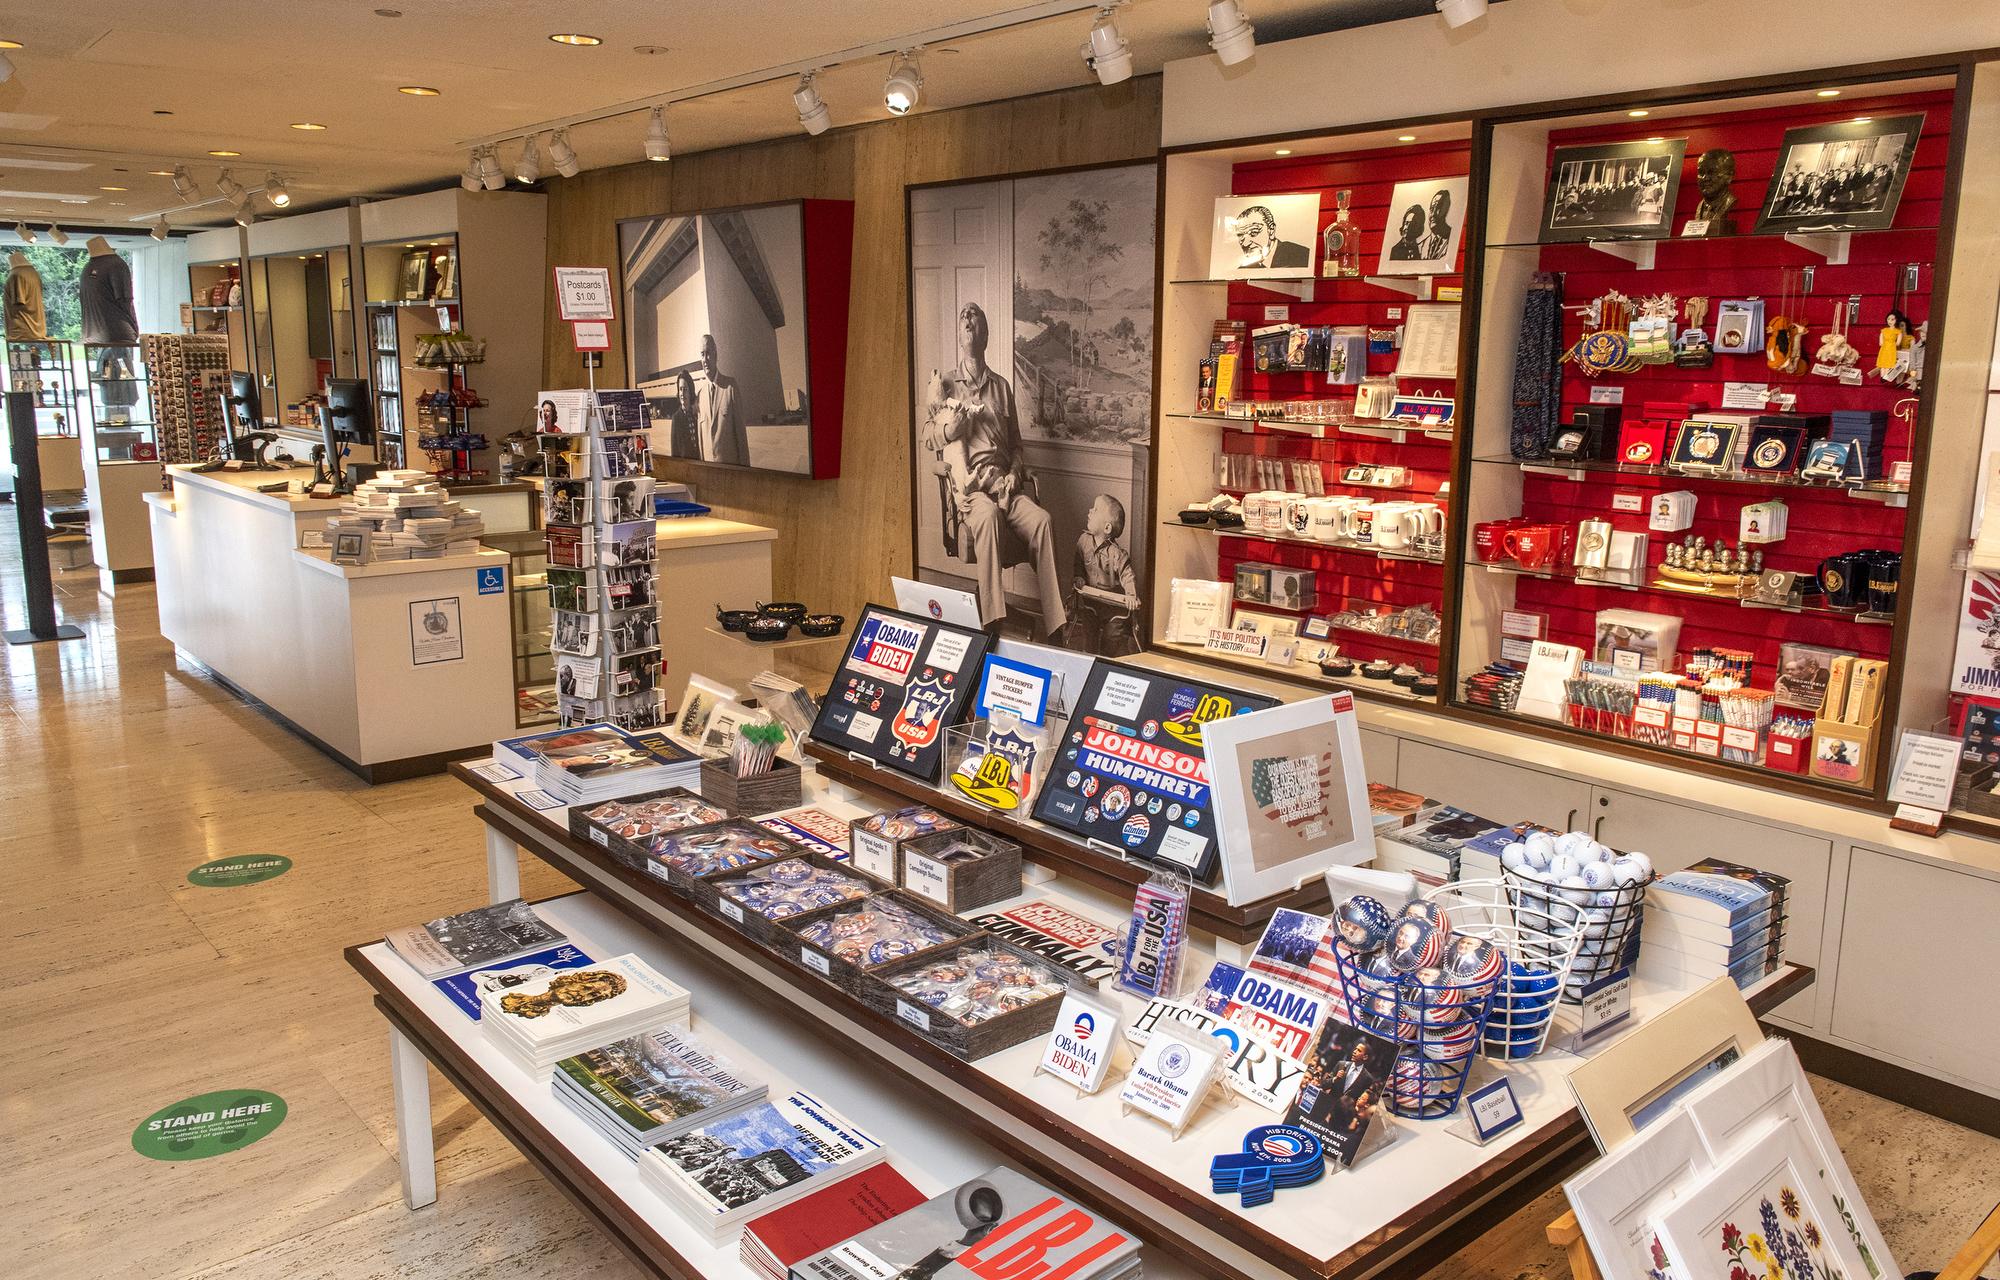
[1392, 525]
[1885, 572]
[1360, 519]
[1323, 522]
[1531, 545]
[1486, 536]
[1297, 515]
[1844, 579]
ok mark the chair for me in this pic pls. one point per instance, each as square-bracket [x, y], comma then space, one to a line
[1013, 550]
[1981, 1248]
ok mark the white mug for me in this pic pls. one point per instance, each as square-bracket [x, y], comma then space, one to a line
[1298, 516]
[1424, 517]
[1359, 521]
[1323, 521]
[1392, 525]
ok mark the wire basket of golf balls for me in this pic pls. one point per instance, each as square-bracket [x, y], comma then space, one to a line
[1570, 885]
[1538, 964]
[1411, 980]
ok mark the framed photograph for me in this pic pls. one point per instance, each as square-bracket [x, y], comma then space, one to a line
[1763, 1210]
[1613, 191]
[1256, 237]
[1426, 220]
[1617, 1199]
[1291, 795]
[1641, 1077]
[1770, 1086]
[416, 274]
[1840, 177]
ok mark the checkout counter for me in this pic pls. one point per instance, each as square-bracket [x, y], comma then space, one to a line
[391, 668]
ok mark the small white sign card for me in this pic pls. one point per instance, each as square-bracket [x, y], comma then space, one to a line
[1080, 1049]
[1170, 1079]
[584, 293]
[1290, 794]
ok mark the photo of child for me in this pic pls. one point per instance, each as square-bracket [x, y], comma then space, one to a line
[1103, 589]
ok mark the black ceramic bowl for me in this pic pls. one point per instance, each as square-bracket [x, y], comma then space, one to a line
[1229, 519]
[1196, 515]
[789, 610]
[821, 624]
[735, 619]
[1341, 667]
[768, 628]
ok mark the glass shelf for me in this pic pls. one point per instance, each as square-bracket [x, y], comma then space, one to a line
[1305, 672]
[1644, 581]
[1395, 284]
[1744, 236]
[1888, 490]
[1315, 428]
[1359, 548]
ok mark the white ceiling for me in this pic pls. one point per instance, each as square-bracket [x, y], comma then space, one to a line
[105, 90]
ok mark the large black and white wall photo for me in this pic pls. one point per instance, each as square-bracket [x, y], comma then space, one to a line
[1031, 334]
[715, 334]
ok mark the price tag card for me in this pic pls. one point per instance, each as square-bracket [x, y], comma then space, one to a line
[1926, 766]
[1493, 1109]
[584, 293]
[592, 335]
[1606, 1007]
[1007, 685]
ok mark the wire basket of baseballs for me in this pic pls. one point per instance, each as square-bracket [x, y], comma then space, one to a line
[1538, 964]
[1565, 886]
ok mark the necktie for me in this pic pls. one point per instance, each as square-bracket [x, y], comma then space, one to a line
[1537, 371]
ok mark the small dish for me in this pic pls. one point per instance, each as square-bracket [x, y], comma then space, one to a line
[789, 610]
[1229, 519]
[1196, 515]
[768, 628]
[821, 624]
[735, 619]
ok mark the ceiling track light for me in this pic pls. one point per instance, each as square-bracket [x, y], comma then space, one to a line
[245, 216]
[159, 231]
[469, 180]
[490, 176]
[904, 88]
[57, 234]
[1459, 12]
[1230, 33]
[230, 189]
[562, 155]
[26, 232]
[657, 145]
[528, 169]
[813, 115]
[275, 192]
[1107, 52]
[184, 186]
[6, 68]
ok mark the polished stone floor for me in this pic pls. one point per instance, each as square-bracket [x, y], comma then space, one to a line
[134, 989]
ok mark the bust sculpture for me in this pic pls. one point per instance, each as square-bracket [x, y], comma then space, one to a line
[1713, 174]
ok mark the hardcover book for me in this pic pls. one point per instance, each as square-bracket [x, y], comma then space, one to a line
[775, 1242]
[479, 939]
[466, 990]
[721, 1172]
[1718, 891]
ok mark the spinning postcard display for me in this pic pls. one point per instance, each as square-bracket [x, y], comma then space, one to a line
[1132, 773]
[903, 681]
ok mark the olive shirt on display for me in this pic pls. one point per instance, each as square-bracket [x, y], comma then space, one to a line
[25, 322]
[106, 293]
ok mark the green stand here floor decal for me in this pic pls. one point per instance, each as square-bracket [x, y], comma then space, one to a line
[224, 873]
[209, 1124]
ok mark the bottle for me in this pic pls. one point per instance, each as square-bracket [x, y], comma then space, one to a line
[1341, 242]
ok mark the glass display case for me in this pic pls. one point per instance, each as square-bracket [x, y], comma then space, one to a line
[217, 289]
[44, 369]
[121, 411]
[423, 391]
[528, 593]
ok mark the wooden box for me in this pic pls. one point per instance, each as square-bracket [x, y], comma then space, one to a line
[969, 1040]
[781, 788]
[628, 832]
[847, 972]
[694, 885]
[960, 870]
[766, 931]
[875, 842]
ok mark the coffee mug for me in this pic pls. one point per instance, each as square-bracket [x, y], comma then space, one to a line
[1392, 525]
[1360, 521]
[1844, 579]
[1531, 545]
[1486, 536]
[1323, 519]
[1424, 517]
[1297, 514]
[1885, 571]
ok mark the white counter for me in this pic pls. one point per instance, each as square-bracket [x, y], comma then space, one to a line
[333, 650]
[707, 562]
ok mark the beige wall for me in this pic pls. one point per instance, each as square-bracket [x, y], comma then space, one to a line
[840, 540]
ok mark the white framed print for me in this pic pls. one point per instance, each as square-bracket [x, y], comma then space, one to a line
[1767, 1086]
[1290, 794]
[1426, 223]
[1762, 1211]
[1256, 237]
[1618, 1199]
[1639, 1079]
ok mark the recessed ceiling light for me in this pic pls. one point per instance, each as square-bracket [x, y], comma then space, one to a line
[388, 13]
[1639, 115]
[161, 173]
[1863, 119]
[12, 44]
[226, 155]
[114, 188]
[160, 112]
[1282, 151]
[418, 90]
[1829, 93]
[575, 37]
[650, 50]
[1406, 137]
[307, 126]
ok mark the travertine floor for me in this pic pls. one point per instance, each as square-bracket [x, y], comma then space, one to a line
[133, 989]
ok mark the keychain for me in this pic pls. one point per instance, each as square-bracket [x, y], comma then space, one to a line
[1836, 355]
[1784, 337]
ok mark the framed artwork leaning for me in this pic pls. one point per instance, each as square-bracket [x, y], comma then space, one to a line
[1613, 191]
[1761, 1211]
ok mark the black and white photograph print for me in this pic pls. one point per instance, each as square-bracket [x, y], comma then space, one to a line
[1255, 236]
[573, 633]
[715, 333]
[635, 630]
[628, 499]
[1426, 221]
[1613, 191]
[1031, 335]
[631, 544]
[1840, 177]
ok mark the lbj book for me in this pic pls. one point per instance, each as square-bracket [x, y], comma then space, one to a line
[1001, 1223]
[539, 1023]
[481, 939]
[741, 1164]
[1712, 919]
[776, 1241]
[645, 1089]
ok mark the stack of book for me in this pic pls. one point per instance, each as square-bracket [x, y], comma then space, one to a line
[539, 1023]
[1433, 848]
[595, 762]
[479, 939]
[408, 515]
[1712, 919]
[779, 1240]
[739, 1165]
[640, 1091]
[958, 1235]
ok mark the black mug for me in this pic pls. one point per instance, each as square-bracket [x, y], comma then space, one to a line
[1844, 579]
[1885, 573]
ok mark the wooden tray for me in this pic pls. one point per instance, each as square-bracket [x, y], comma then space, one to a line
[846, 973]
[765, 931]
[968, 1040]
[634, 853]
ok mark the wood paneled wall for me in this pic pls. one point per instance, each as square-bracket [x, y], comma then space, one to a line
[840, 540]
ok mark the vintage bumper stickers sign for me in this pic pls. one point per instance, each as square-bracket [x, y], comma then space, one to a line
[903, 681]
[1131, 772]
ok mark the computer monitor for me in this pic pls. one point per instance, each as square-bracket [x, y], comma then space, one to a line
[246, 408]
[347, 403]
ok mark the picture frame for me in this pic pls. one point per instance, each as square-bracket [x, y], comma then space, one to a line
[1618, 1199]
[415, 274]
[1840, 177]
[1613, 191]
[1263, 236]
[1425, 222]
[902, 681]
[1770, 1085]
[1765, 1201]
[1638, 1079]
[1291, 794]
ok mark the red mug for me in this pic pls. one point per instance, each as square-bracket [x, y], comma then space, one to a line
[1531, 545]
[1486, 537]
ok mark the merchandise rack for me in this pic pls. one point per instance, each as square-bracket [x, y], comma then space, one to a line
[43, 368]
[1428, 1192]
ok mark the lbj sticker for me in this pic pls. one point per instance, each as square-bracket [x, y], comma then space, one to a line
[209, 1124]
[492, 581]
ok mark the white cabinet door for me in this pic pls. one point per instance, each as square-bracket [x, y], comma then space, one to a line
[1378, 753]
[1502, 792]
[1675, 836]
[1917, 954]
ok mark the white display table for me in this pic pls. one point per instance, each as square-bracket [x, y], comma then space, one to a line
[354, 658]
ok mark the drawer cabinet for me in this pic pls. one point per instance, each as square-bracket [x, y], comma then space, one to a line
[1502, 792]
